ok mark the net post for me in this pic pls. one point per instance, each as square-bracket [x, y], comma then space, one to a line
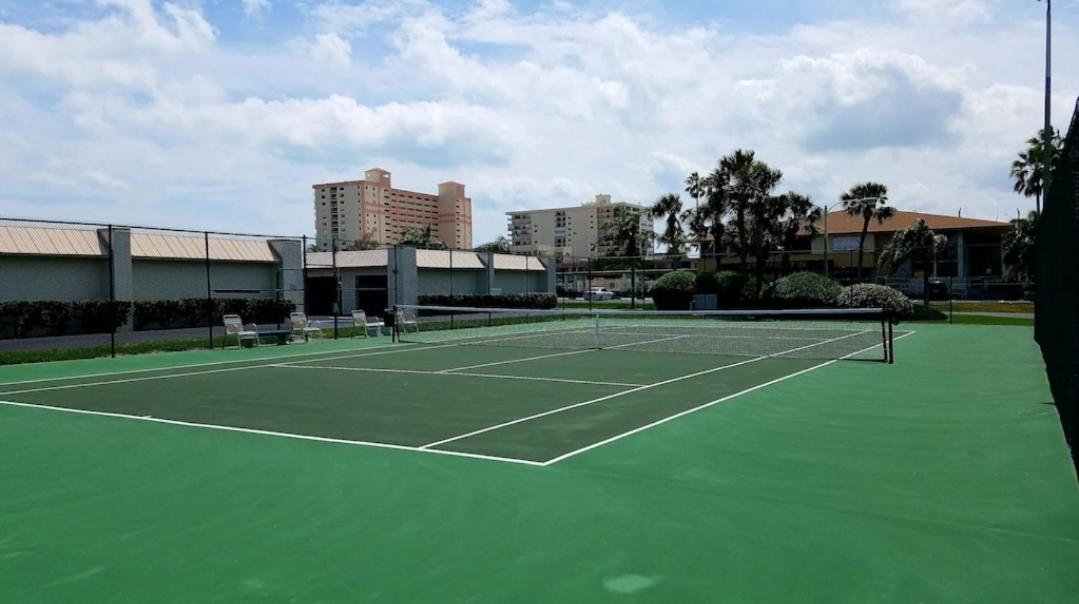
[891, 343]
[209, 291]
[595, 330]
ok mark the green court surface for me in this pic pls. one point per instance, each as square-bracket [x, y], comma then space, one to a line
[367, 471]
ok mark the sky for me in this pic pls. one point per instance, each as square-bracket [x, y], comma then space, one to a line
[221, 114]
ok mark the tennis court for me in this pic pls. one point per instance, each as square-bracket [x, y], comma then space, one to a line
[517, 387]
[543, 468]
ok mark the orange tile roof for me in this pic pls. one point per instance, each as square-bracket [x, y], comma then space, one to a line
[840, 223]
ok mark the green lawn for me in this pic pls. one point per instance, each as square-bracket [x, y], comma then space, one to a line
[942, 478]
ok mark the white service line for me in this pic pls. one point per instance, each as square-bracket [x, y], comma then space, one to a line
[324, 439]
[204, 372]
[557, 354]
[706, 405]
[625, 392]
[462, 374]
[128, 371]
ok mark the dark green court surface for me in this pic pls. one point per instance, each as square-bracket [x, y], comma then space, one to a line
[403, 473]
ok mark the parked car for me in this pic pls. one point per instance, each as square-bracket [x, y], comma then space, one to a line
[938, 290]
[598, 294]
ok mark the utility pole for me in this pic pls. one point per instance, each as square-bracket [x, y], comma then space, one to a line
[1047, 131]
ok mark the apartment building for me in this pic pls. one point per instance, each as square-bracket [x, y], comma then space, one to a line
[371, 208]
[579, 232]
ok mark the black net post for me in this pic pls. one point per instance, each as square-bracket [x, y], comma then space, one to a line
[112, 297]
[209, 291]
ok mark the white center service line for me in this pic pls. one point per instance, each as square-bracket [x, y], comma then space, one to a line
[459, 374]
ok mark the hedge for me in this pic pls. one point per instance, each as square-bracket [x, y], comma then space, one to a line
[870, 295]
[51, 318]
[806, 289]
[192, 312]
[530, 300]
[674, 291]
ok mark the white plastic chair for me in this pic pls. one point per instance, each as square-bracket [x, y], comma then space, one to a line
[362, 323]
[302, 327]
[234, 326]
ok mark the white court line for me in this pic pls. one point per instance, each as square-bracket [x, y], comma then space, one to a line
[557, 354]
[606, 441]
[205, 372]
[188, 366]
[463, 374]
[625, 392]
[323, 439]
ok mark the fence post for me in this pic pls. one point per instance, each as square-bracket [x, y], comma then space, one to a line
[336, 284]
[112, 298]
[588, 292]
[303, 268]
[633, 288]
[209, 291]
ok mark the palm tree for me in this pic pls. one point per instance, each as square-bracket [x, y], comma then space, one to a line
[1020, 246]
[696, 187]
[800, 218]
[917, 243]
[1027, 168]
[422, 238]
[501, 245]
[867, 200]
[624, 232]
[749, 184]
[669, 207]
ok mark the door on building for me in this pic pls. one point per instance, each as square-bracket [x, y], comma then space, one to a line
[321, 292]
[372, 294]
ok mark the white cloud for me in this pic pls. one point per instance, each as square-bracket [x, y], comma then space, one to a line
[953, 12]
[330, 48]
[256, 8]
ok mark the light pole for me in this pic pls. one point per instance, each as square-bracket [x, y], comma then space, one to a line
[1047, 137]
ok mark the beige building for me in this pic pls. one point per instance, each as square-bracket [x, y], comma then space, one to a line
[579, 232]
[371, 208]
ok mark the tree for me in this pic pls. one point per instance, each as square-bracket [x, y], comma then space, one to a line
[1020, 246]
[1028, 167]
[624, 233]
[498, 246]
[422, 238]
[669, 207]
[696, 187]
[867, 200]
[748, 185]
[365, 242]
[800, 218]
[917, 243]
[706, 222]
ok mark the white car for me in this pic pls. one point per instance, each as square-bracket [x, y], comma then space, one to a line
[598, 293]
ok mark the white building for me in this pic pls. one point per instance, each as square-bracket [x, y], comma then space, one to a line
[579, 231]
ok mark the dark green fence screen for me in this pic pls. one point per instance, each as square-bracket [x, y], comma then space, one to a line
[1057, 310]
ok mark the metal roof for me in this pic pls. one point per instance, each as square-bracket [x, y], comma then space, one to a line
[446, 259]
[360, 259]
[841, 223]
[508, 262]
[41, 241]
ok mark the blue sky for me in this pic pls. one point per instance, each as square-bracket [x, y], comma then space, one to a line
[221, 113]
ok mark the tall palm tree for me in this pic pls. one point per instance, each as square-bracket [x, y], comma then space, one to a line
[624, 232]
[1027, 168]
[1020, 246]
[800, 218]
[917, 243]
[749, 183]
[867, 200]
[669, 207]
[696, 187]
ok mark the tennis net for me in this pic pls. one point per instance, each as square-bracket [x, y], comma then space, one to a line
[863, 333]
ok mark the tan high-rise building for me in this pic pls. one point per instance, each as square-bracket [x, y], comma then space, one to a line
[372, 209]
[580, 232]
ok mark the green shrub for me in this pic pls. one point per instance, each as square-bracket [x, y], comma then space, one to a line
[674, 291]
[806, 289]
[870, 295]
[707, 284]
[530, 300]
[730, 288]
